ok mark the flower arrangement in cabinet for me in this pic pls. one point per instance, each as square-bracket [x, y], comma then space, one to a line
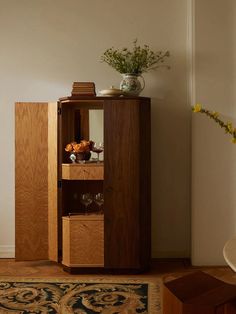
[80, 152]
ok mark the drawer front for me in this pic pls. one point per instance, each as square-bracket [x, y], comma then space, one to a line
[82, 172]
[83, 243]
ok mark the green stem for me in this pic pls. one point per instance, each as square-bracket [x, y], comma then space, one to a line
[214, 115]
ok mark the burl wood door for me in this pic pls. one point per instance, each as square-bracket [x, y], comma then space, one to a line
[127, 183]
[35, 181]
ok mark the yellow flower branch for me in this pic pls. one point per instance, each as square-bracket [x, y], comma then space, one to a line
[215, 116]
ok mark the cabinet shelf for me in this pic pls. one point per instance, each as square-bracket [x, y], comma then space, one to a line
[93, 171]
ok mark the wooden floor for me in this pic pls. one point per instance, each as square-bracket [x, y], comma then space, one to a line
[161, 269]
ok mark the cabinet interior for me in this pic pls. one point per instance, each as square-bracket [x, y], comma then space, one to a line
[81, 121]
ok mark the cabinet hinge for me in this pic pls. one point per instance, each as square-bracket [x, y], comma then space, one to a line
[59, 111]
[59, 184]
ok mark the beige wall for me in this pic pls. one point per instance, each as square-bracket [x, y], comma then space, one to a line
[213, 155]
[48, 44]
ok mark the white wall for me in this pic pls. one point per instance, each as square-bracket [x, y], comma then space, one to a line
[213, 155]
[48, 44]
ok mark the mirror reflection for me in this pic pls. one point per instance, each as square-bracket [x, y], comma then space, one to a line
[96, 133]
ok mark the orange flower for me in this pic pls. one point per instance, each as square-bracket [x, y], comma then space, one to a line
[69, 148]
[78, 148]
[82, 147]
[85, 145]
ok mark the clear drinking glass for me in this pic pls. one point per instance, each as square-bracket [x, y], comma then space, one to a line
[99, 200]
[86, 199]
[97, 148]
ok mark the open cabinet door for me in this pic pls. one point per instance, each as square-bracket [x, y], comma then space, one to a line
[33, 220]
[52, 182]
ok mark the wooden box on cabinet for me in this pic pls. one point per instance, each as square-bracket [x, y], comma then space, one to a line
[83, 241]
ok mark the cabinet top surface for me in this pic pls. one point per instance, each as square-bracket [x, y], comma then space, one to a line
[99, 98]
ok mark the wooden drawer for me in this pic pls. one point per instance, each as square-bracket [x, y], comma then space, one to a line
[82, 171]
[83, 241]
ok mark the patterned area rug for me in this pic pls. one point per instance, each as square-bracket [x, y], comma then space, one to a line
[68, 296]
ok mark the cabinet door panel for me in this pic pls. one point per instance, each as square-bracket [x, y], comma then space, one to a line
[122, 174]
[31, 180]
[52, 183]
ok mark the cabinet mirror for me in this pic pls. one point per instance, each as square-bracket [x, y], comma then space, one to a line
[96, 129]
[88, 125]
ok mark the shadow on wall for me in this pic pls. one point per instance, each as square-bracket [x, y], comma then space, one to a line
[214, 198]
[213, 155]
[171, 177]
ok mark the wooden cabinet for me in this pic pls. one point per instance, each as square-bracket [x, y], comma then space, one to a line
[48, 186]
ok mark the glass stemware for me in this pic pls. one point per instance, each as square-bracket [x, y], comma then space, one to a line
[99, 200]
[86, 199]
[97, 148]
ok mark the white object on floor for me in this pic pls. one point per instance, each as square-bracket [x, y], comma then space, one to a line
[229, 252]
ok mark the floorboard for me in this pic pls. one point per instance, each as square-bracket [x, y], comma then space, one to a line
[160, 269]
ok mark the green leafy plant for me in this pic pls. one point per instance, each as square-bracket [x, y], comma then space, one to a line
[215, 116]
[135, 61]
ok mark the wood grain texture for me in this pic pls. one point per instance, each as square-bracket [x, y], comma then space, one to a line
[126, 176]
[84, 124]
[162, 270]
[145, 182]
[70, 129]
[199, 293]
[82, 171]
[127, 183]
[170, 303]
[83, 241]
[31, 181]
[52, 183]
[82, 102]
[67, 131]
[229, 308]
[96, 100]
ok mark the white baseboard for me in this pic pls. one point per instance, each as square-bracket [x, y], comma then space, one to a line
[7, 251]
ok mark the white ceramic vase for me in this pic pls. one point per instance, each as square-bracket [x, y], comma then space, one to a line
[131, 84]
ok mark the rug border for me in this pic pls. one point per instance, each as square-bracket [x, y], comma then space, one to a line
[154, 287]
